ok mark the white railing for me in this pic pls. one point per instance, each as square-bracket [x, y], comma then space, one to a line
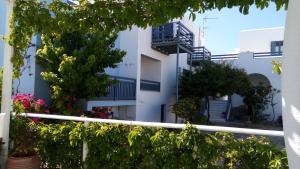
[149, 124]
[2, 115]
[163, 125]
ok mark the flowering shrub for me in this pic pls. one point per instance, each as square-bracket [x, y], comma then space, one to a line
[27, 103]
[23, 136]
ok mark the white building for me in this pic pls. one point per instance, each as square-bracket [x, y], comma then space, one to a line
[154, 72]
[258, 48]
[147, 76]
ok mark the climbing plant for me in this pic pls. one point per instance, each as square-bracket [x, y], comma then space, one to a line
[134, 147]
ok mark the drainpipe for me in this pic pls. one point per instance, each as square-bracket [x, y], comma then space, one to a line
[6, 102]
[290, 85]
[177, 79]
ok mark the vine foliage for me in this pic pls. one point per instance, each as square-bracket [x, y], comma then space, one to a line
[118, 146]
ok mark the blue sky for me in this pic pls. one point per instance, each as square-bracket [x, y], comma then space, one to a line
[222, 34]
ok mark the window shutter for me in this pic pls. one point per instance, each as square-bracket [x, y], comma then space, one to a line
[273, 46]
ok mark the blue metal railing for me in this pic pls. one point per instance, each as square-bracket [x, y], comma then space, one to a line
[150, 85]
[173, 32]
[266, 54]
[124, 89]
[199, 53]
[224, 57]
[256, 55]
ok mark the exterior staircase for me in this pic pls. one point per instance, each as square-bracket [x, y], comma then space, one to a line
[217, 107]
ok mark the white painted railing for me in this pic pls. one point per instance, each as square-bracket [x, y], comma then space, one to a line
[1, 124]
[163, 125]
[149, 124]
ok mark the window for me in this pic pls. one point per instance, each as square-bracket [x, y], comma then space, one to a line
[277, 47]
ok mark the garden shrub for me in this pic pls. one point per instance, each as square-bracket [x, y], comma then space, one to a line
[130, 147]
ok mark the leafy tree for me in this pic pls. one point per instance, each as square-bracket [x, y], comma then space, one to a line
[189, 109]
[74, 65]
[214, 80]
[257, 98]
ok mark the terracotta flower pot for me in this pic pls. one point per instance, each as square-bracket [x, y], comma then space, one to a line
[31, 162]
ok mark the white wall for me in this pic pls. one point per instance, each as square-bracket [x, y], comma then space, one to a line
[127, 41]
[150, 69]
[259, 40]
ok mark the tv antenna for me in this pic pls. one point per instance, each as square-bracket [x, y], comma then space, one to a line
[204, 27]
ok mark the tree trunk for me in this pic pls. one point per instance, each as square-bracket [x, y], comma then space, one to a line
[291, 85]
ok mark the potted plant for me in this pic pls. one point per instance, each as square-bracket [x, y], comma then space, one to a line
[22, 135]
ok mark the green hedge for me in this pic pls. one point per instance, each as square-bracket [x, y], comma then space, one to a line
[123, 147]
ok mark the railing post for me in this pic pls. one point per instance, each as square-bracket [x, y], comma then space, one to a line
[85, 146]
[6, 102]
[114, 89]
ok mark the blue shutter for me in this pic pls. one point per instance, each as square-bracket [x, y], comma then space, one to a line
[273, 46]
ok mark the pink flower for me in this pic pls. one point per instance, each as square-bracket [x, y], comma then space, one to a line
[36, 120]
[30, 103]
[40, 102]
[26, 103]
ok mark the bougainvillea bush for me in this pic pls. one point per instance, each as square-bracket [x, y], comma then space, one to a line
[23, 135]
[27, 103]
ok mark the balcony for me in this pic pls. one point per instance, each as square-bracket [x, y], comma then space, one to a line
[167, 37]
[124, 89]
[199, 54]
